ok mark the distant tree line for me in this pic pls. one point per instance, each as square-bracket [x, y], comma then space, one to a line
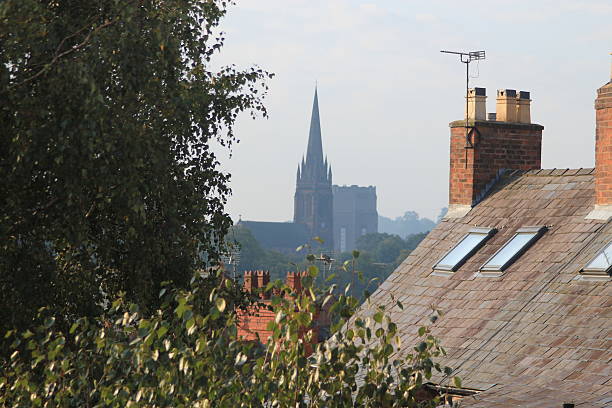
[379, 255]
[409, 223]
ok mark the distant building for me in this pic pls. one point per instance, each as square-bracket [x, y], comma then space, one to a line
[355, 215]
[314, 202]
[278, 236]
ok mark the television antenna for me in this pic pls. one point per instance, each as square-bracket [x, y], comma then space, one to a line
[467, 58]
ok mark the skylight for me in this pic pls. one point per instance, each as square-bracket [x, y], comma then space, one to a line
[511, 251]
[468, 245]
[601, 264]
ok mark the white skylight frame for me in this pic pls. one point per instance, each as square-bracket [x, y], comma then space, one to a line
[591, 270]
[528, 235]
[445, 269]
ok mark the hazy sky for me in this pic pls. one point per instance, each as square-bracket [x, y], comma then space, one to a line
[386, 94]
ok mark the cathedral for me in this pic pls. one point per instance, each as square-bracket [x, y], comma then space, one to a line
[336, 215]
[313, 202]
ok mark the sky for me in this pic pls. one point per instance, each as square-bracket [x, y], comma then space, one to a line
[387, 94]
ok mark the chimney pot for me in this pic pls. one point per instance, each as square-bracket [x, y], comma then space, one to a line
[523, 107]
[506, 105]
[476, 104]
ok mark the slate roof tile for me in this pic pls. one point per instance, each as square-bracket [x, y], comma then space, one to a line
[535, 336]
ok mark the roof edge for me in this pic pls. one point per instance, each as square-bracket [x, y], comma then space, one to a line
[496, 124]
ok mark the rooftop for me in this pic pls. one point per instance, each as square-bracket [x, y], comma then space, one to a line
[537, 335]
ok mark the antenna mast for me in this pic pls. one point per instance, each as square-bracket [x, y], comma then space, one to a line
[466, 58]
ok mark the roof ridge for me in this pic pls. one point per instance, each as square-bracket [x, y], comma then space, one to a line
[561, 172]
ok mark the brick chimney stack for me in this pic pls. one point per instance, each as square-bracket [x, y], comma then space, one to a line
[256, 280]
[603, 152]
[248, 281]
[294, 280]
[492, 146]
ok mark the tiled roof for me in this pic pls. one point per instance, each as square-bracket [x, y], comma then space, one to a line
[535, 336]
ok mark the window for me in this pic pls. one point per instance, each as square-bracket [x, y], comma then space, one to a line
[511, 251]
[364, 231]
[342, 239]
[600, 265]
[467, 247]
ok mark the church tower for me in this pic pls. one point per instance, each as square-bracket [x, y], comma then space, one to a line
[313, 205]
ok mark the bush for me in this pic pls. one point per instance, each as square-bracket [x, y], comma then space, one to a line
[188, 354]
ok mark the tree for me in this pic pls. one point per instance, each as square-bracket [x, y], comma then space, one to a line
[379, 255]
[107, 114]
[409, 223]
[255, 257]
[188, 354]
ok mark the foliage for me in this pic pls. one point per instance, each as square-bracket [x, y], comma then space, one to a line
[187, 354]
[107, 112]
[254, 257]
[380, 254]
[386, 247]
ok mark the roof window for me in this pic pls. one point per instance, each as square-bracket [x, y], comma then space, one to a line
[511, 251]
[461, 252]
[600, 266]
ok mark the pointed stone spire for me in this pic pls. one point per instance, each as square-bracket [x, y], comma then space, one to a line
[298, 173]
[314, 154]
[329, 175]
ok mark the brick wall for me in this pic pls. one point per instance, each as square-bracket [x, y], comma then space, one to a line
[253, 322]
[603, 145]
[496, 146]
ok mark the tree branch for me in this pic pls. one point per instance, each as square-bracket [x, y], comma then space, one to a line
[57, 56]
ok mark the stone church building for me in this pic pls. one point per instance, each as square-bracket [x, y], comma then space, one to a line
[337, 215]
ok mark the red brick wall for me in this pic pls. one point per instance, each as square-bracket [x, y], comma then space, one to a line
[253, 322]
[603, 145]
[497, 145]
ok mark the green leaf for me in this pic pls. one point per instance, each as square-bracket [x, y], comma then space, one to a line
[240, 359]
[313, 271]
[378, 317]
[457, 382]
[162, 331]
[220, 303]
[279, 316]
[49, 321]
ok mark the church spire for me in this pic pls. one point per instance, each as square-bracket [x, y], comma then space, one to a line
[314, 154]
